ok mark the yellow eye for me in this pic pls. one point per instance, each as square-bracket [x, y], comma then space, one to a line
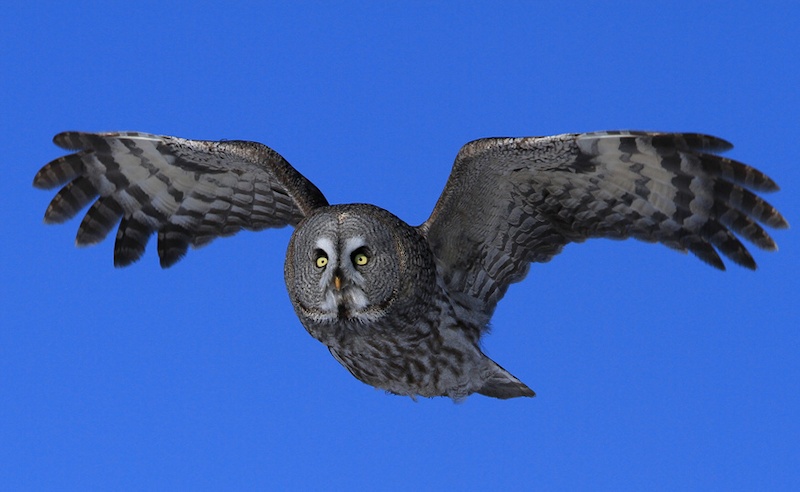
[322, 262]
[360, 259]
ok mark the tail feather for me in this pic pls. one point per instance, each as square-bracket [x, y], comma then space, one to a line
[499, 383]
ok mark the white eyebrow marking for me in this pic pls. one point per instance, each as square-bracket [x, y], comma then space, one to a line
[326, 245]
[353, 243]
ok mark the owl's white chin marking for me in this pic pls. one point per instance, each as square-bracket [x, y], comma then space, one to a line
[348, 303]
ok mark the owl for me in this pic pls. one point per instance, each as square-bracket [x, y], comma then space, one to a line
[404, 308]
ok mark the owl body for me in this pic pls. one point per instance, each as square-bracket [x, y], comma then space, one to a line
[403, 308]
[365, 284]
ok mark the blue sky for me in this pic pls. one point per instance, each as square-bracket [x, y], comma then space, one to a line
[653, 371]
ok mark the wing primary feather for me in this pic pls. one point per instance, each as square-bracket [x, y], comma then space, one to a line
[60, 171]
[132, 237]
[72, 198]
[173, 242]
[101, 218]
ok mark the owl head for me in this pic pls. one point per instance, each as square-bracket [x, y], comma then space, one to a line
[356, 264]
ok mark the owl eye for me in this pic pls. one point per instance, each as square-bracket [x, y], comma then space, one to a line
[360, 259]
[322, 260]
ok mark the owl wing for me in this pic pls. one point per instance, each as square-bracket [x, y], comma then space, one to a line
[187, 191]
[512, 201]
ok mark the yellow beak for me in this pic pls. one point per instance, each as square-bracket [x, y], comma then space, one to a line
[337, 282]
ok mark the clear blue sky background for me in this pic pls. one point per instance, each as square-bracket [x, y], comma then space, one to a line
[653, 371]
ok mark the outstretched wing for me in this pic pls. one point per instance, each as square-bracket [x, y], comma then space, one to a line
[512, 201]
[187, 191]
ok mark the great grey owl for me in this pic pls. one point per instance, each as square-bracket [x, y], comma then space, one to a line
[403, 308]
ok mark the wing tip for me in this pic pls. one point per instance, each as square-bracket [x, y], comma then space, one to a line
[69, 140]
[124, 257]
[41, 182]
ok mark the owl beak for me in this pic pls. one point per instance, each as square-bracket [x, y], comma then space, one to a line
[337, 282]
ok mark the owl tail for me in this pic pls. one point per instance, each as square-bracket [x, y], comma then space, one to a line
[501, 384]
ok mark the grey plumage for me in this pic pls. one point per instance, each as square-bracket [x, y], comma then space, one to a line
[187, 191]
[403, 308]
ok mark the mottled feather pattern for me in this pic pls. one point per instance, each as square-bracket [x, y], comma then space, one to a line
[187, 191]
[440, 356]
[404, 308]
[512, 201]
